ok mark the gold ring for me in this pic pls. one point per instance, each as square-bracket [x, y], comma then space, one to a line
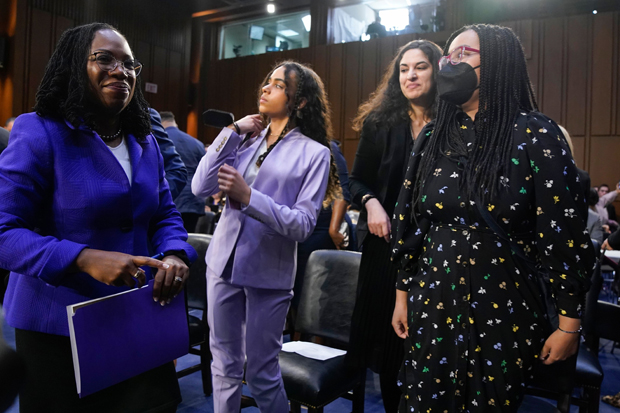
[136, 274]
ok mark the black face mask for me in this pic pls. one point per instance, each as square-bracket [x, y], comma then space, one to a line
[456, 83]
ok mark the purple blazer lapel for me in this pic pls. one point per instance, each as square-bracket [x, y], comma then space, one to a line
[246, 153]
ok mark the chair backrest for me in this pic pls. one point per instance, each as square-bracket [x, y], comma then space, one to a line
[328, 295]
[205, 223]
[196, 286]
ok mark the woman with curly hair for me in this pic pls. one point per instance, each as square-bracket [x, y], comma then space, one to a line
[490, 202]
[275, 179]
[83, 203]
[389, 121]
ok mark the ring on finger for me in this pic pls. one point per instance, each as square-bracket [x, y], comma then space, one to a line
[178, 279]
[137, 273]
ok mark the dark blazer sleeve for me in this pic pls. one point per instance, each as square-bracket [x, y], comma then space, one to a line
[366, 164]
[176, 174]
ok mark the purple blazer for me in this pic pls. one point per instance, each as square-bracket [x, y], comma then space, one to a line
[286, 198]
[62, 190]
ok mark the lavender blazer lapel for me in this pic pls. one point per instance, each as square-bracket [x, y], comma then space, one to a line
[247, 151]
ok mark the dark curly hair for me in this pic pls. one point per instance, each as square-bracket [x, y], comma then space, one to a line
[313, 119]
[505, 88]
[387, 104]
[64, 91]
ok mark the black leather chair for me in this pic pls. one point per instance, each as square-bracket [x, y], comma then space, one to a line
[206, 223]
[325, 310]
[196, 299]
[583, 371]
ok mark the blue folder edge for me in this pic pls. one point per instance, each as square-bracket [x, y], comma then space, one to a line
[117, 337]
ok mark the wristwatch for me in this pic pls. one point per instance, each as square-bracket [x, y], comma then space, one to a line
[367, 198]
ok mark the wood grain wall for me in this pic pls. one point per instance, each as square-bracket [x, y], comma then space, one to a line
[573, 63]
[159, 35]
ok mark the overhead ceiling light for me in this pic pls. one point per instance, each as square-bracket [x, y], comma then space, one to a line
[307, 20]
[594, 11]
[271, 8]
[288, 33]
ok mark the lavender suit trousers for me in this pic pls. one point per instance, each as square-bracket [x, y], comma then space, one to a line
[246, 321]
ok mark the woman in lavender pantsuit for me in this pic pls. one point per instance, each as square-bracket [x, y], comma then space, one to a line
[275, 180]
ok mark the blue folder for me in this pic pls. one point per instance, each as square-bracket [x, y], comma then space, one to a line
[120, 336]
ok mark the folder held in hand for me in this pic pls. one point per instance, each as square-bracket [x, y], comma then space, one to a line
[117, 337]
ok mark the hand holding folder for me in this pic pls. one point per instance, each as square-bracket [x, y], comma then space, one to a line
[120, 336]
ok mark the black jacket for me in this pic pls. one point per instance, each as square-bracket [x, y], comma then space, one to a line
[379, 167]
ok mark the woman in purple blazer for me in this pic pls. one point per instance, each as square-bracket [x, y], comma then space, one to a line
[275, 180]
[83, 203]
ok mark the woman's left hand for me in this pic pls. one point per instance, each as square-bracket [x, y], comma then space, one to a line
[169, 282]
[233, 184]
[559, 346]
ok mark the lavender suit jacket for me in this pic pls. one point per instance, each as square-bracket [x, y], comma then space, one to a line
[62, 190]
[286, 197]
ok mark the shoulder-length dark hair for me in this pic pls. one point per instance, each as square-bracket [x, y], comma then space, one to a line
[313, 119]
[505, 88]
[64, 91]
[387, 104]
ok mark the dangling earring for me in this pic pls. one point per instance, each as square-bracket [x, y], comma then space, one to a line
[298, 114]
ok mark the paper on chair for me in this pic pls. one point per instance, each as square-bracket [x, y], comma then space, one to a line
[312, 350]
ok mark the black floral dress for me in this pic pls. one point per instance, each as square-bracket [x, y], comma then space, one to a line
[477, 321]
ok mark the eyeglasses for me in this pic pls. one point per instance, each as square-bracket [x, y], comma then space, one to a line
[108, 63]
[457, 55]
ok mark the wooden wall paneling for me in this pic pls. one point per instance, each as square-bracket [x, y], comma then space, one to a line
[159, 75]
[62, 24]
[371, 71]
[438, 37]
[142, 52]
[19, 55]
[41, 36]
[404, 39]
[306, 56]
[603, 167]
[386, 54]
[602, 46]
[352, 85]
[321, 59]
[335, 86]
[577, 76]
[175, 86]
[551, 94]
[248, 96]
[534, 61]
[210, 84]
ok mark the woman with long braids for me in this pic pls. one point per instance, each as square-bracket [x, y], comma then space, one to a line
[83, 205]
[489, 202]
[389, 122]
[275, 180]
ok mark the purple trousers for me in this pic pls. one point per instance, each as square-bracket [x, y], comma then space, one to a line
[246, 322]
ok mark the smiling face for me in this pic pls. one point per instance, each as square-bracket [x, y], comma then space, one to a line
[469, 38]
[416, 75]
[274, 101]
[110, 90]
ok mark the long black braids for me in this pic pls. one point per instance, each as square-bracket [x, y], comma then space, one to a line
[505, 89]
[65, 93]
[313, 119]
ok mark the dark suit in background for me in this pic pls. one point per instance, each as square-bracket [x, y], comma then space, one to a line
[176, 174]
[191, 151]
[4, 139]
